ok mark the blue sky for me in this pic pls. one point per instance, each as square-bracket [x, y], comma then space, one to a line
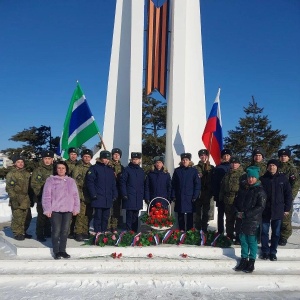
[250, 47]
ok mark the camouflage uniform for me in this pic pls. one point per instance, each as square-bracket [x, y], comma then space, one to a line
[71, 164]
[203, 203]
[17, 187]
[229, 187]
[38, 179]
[115, 211]
[85, 215]
[291, 173]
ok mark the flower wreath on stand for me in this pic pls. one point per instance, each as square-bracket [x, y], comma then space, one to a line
[159, 216]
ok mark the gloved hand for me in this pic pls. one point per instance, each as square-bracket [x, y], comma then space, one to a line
[194, 200]
[125, 198]
[173, 199]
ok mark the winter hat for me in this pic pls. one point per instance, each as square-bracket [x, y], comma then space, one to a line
[136, 155]
[253, 171]
[186, 155]
[105, 154]
[284, 152]
[225, 151]
[274, 162]
[158, 158]
[17, 157]
[116, 150]
[87, 152]
[203, 151]
[234, 160]
[48, 153]
[258, 151]
[72, 150]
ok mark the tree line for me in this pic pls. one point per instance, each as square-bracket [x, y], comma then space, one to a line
[253, 130]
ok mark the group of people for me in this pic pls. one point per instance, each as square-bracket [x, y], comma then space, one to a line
[70, 194]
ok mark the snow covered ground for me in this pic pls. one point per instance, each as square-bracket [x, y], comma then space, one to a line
[91, 273]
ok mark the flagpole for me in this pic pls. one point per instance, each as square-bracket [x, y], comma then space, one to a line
[101, 140]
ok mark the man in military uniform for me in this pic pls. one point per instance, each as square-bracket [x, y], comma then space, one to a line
[229, 187]
[38, 179]
[286, 166]
[17, 188]
[72, 160]
[217, 176]
[115, 212]
[258, 156]
[203, 203]
[84, 217]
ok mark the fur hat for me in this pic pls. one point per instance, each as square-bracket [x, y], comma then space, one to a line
[253, 171]
[136, 155]
[225, 151]
[186, 155]
[203, 151]
[158, 158]
[105, 154]
[258, 151]
[235, 159]
[48, 153]
[284, 152]
[17, 157]
[274, 162]
[116, 150]
[72, 150]
[87, 152]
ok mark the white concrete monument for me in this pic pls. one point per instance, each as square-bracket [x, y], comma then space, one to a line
[184, 84]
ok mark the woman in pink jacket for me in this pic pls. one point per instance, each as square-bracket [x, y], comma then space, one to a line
[60, 201]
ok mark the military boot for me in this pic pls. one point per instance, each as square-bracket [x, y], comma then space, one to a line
[250, 266]
[242, 265]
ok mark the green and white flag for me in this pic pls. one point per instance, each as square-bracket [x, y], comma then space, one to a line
[79, 126]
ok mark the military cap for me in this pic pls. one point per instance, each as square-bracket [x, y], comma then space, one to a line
[253, 171]
[202, 151]
[105, 154]
[186, 155]
[17, 157]
[225, 151]
[158, 158]
[47, 153]
[136, 155]
[235, 160]
[72, 150]
[273, 162]
[116, 150]
[258, 151]
[87, 152]
[286, 152]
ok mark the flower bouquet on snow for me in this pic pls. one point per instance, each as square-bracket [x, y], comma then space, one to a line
[159, 214]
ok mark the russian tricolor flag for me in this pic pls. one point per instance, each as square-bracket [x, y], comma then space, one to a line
[212, 136]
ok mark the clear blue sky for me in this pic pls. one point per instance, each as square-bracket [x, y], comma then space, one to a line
[250, 47]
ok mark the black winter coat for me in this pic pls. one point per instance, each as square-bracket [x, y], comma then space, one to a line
[158, 184]
[186, 185]
[279, 195]
[218, 173]
[251, 202]
[101, 183]
[132, 187]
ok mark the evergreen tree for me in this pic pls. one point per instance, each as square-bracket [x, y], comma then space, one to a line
[254, 131]
[154, 126]
[36, 140]
[295, 149]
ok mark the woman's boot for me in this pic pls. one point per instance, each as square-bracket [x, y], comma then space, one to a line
[250, 266]
[242, 265]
